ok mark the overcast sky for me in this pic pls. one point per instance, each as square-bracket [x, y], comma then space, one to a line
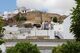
[53, 6]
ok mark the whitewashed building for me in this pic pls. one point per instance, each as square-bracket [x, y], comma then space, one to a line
[45, 39]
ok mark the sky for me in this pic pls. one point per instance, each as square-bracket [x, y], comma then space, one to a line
[53, 6]
[7, 5]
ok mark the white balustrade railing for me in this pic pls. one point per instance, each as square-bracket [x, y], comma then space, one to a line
[24, 32]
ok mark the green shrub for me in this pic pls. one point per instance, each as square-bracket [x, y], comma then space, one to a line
[69, 47]
[23, 47]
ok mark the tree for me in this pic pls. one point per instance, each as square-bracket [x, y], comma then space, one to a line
[1, 31]
[1, 25]
[23, 47]
[54, 19]
[0, 51]
[69, 47]
[75, 27]
[20, 17]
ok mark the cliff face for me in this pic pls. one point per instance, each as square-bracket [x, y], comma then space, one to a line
[38, 17]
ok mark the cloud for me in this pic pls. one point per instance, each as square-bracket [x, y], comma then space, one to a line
[53, 6]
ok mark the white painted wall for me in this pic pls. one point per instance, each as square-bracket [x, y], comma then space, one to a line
[63, 30]
[3, 48]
